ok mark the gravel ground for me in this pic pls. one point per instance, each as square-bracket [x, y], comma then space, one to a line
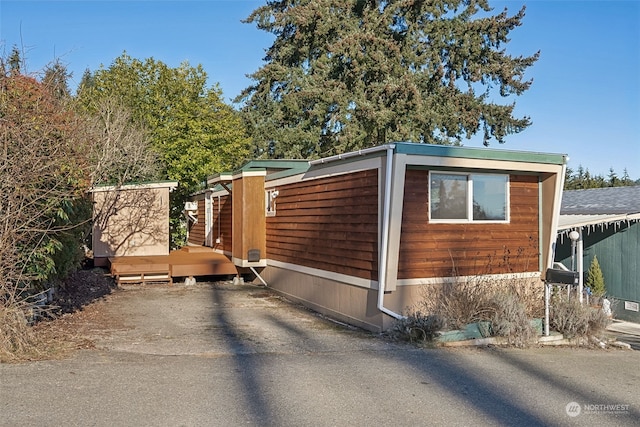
[219, 354]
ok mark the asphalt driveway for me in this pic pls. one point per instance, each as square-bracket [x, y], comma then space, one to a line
[224, 355]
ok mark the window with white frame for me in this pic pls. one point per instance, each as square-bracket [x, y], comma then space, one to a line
[270, 202]
[468, 197]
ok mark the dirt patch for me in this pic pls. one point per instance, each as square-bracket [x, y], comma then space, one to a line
[81, 288]
[74, 317]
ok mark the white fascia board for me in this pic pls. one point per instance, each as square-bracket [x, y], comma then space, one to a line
[142, 186]
[243, 174]
[223, 177]
[494, 165]
[568, 222]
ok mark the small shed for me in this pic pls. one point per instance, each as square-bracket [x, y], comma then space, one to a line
[130, 220]
[607, 220]
[359, 236]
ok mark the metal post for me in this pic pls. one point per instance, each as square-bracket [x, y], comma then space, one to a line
[580, 266]
[574, 236]
[546, 309]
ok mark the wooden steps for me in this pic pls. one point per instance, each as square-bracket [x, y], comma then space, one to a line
[141, 270]
[189, 261]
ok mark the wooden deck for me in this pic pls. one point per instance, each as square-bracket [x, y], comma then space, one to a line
[190, 261]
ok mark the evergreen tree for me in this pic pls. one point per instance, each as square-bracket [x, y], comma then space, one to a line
[15, 61]
[614, 181]
[348, 74]
[595, 278]
[56, 79]
[582, 179]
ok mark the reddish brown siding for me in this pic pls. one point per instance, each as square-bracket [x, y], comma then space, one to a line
[328, 223]
[196, 230]
[222, 210]
[433, 250]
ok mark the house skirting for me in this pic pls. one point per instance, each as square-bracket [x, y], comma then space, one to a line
[353, 304]
[352, 301]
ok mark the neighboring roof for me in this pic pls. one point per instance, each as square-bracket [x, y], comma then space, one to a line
[594, 206]
[135, 186]
[568, 222]
[599, 201]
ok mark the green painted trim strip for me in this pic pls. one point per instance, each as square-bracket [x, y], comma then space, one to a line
[479, 153]
[275, 164]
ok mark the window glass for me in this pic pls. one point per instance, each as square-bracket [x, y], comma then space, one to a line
[489, 197]
[463, 197]
[448, 196]
[270, 202]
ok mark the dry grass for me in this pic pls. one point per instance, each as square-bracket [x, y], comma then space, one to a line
[16, 336]
[20, 342]
[62, 328]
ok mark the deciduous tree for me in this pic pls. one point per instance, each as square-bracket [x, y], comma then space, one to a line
[193, 131]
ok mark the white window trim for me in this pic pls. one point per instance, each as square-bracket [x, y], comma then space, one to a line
[469, 219]
[270, 201]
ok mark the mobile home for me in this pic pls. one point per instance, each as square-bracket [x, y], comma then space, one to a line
[357, 236]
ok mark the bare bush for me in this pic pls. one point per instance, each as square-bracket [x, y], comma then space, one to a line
[458, 302]
[417, 327]
[575, 320]
[510, 319]
[461, 301]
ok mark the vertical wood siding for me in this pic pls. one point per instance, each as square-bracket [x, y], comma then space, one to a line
[442, 250]
[196, 230]
[617, 247]
[221, 224]
[328, 223]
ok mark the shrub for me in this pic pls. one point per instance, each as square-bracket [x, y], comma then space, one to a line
[458, 302]
[510, 319]
[574, 320]
[417, 327]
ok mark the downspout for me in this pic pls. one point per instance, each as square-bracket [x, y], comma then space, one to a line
[554, 239]
[384, 244]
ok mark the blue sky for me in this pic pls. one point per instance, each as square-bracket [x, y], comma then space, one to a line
[584, 101]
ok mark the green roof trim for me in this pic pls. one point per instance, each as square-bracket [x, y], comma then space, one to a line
[275, 164]
[276, 168]
[265, 165]
[479, 153]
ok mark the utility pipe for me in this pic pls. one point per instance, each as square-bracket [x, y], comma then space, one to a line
[259, 276]
[352, 154]
[384, 244]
